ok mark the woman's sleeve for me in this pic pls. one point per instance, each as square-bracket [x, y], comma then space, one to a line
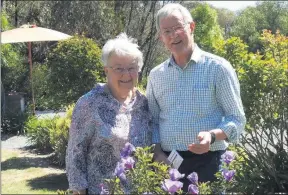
[81, 131]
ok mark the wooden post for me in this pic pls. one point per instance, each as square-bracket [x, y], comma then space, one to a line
[31, 79]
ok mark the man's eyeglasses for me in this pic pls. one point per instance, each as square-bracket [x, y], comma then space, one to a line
[118, 70]
[175, 29]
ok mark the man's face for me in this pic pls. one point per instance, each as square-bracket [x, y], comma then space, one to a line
[175, 34]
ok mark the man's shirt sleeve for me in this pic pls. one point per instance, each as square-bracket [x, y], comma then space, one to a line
[228, 96]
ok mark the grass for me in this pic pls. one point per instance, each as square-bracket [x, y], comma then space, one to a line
[26, 173]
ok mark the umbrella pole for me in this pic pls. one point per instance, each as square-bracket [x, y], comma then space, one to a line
[31, 80]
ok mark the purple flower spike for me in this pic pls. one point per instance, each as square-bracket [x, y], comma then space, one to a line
[122, 177]
[171, 186]
[127, 150]
[228, 175]
[175, 175]
[128, 162]
[120, 168]
[228, 157]
[193, 177]
[193, 189]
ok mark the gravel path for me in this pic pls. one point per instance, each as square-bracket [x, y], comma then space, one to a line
[21, 141]
[14, 142]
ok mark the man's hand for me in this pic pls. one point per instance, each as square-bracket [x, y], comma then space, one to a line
[204, 138]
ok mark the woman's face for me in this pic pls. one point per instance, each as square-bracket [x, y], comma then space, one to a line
[122, 73]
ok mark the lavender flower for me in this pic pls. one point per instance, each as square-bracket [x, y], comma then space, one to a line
[171, 186]
[228, 157]
[127, 150]
[175, 175]
[128, 162]
[193, 189]
[120, 168]
[228, 174]
[122, 177]
[193, 177]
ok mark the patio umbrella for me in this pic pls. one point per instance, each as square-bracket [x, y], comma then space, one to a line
[31, 33]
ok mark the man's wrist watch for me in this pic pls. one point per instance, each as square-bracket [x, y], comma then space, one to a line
[213, 137]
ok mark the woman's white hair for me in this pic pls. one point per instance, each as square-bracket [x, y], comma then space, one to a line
[168, 9]
[122, 45]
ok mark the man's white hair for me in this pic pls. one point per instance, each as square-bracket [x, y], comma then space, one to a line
[168, 9]
[122, 45]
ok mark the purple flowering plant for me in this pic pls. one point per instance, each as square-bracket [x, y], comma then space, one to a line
[225, 177]
[136, 173]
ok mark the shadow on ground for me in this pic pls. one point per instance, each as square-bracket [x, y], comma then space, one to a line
[49, 182]
[4, 137]
[34, 150]
[24, 163]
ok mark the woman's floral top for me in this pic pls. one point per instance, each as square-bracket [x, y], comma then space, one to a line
[99, 129]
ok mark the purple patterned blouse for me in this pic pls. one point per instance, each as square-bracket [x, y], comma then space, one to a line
[99, 129]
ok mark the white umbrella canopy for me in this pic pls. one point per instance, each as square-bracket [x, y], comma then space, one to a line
[31, 33]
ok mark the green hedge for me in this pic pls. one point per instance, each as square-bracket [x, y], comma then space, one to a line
[50, 133]
[71, 70]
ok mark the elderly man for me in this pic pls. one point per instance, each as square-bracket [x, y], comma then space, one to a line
[194, 97]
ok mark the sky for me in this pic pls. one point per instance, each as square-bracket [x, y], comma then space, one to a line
[232, 5]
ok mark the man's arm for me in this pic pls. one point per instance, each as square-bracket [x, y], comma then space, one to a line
[228, 97]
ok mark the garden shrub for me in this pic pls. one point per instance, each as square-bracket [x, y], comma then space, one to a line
[37, 131]
[59, 134]
[74, 67]
[264, 90]
[266, 140]
[13, 124]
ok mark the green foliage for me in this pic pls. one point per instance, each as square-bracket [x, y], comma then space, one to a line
[37, 131]
[50, 133]
[146, 176]
[74, 67]
[264, 83]
[40, 85]
[266, 109]
[225, 19]
[59, 133]
[249, 24]
[207, 31]
[13, 71]
[13, 124]
[233, 50]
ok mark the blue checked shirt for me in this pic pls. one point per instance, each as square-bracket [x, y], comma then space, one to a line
[205, 95]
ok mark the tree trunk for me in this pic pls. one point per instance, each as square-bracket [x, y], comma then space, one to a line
[16, 14]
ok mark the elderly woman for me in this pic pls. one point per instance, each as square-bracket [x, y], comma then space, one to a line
[106, 118]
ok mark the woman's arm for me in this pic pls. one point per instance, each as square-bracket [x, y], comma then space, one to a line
[81, 130]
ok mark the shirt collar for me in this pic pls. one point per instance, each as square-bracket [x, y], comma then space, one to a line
[196, 56]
